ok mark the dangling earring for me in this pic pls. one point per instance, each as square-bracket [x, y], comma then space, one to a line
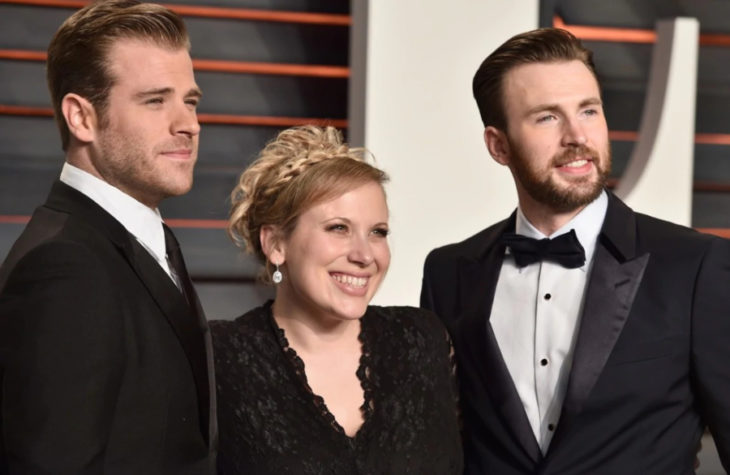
[276, 277]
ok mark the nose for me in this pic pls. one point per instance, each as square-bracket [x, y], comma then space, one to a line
[361, 252]
[573, 133]
[185, 120]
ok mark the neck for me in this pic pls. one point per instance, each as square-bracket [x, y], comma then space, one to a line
[544, 218]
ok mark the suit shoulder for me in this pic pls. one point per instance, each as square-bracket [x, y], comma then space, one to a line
[468, 247]
[660, 234]
[57, 236]
[53, 259]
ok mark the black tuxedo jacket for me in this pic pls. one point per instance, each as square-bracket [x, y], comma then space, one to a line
[651, 364]
[104, 367]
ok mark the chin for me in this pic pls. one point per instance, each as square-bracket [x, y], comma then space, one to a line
[352, 311]
[180, 189]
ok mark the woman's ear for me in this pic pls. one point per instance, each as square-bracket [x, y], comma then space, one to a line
[272, 245]
[80, 116]
[497, 144]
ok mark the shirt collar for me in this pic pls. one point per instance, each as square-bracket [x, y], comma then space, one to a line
[587, 224]
[144, 223]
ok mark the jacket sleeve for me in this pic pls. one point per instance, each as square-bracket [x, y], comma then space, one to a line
[427, 299]
[711, 344]
[61, 354]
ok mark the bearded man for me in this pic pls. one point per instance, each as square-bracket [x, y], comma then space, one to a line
[589, 339]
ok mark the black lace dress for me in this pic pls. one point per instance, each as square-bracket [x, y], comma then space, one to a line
[270, 422]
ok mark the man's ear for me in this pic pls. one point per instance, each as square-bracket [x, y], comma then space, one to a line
[80, 116]
[272, 244]
[497, 144]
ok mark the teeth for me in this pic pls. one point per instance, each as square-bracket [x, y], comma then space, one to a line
[350, 280]
[576, 164]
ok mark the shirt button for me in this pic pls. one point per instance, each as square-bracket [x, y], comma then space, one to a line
[543, 362]
[551, 427]
[547, 296]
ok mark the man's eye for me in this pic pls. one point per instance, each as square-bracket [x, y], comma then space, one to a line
[154, 100]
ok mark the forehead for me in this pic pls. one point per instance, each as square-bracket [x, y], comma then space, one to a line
[557, 83]
[139, 60]
[366, 201]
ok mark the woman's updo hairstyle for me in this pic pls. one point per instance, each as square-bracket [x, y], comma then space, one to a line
[303, 166]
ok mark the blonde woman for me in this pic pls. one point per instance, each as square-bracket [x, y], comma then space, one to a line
[319, 381]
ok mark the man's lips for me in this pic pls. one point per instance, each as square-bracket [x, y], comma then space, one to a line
[576, 163]
[577, 166]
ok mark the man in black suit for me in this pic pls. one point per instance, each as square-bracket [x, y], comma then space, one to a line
[105, 360]
[589, 339]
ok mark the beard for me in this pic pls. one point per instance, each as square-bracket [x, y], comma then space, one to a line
[544, 188]
[133, 166]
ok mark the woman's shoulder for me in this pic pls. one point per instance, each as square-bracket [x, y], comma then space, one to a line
[252, 322]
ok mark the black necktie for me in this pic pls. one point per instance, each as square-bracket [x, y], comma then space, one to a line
[177, 265]
[564, 249]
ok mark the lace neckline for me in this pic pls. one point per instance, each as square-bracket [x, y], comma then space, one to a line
[318, 402]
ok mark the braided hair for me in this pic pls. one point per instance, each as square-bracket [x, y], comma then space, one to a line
[303, 166]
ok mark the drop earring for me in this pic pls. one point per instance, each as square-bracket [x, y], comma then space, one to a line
[276, 276]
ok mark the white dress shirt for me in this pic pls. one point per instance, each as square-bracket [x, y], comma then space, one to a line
[144, 223]
[535, 317]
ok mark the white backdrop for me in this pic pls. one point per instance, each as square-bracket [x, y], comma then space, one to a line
[411, 105]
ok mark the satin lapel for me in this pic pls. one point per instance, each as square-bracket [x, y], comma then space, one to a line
[613, 284]
[479, 282]
[184, 320]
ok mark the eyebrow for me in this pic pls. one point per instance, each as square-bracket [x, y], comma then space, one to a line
[166, 91]
[591, 101]
[349, 221]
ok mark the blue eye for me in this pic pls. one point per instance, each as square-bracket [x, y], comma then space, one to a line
[337, 227]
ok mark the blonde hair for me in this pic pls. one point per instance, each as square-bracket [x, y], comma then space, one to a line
[303, 166]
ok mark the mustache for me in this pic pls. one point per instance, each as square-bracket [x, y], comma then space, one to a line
[177, 144]
[572, 154]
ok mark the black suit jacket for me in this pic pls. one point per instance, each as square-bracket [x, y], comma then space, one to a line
[104, 367]
[651, 362]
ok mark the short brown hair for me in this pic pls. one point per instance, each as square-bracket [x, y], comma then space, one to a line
[544, 45]
[303, 166]
[78, 53]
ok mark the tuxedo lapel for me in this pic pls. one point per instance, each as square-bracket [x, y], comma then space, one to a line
[613, 284]
[183, 318]
[479, 275]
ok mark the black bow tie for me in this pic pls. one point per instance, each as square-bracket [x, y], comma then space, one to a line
[564, 249]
